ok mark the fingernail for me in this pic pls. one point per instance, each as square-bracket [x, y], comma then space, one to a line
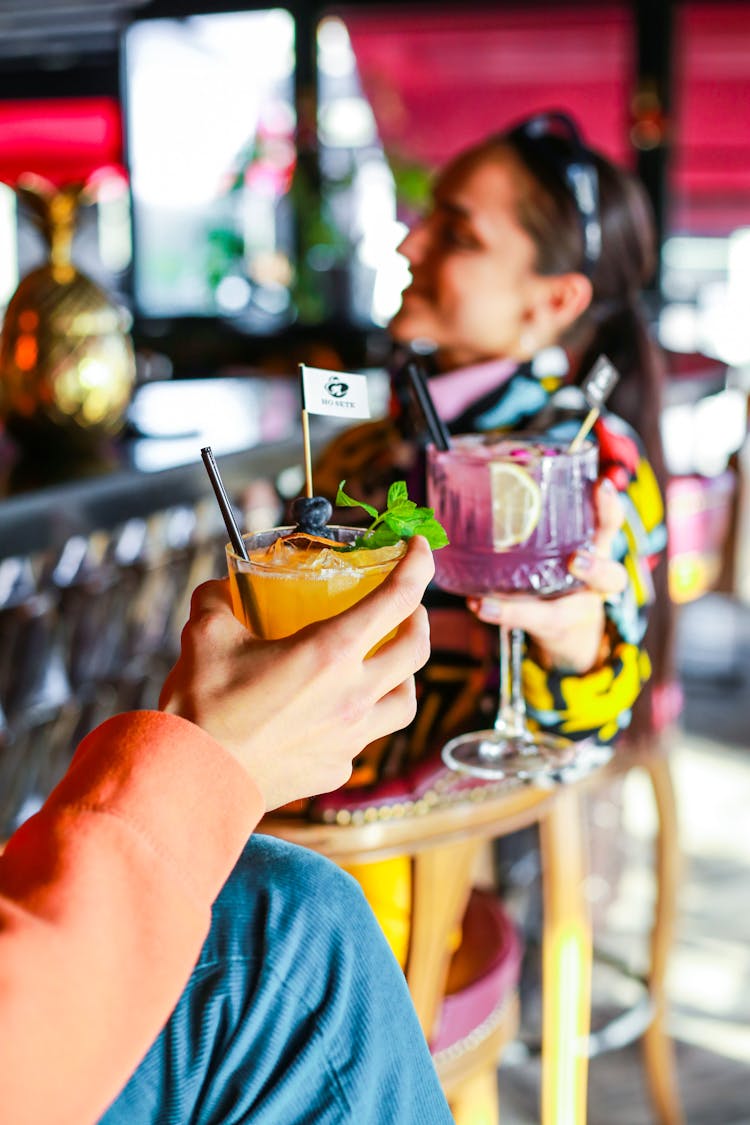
[608, 486]
[581, 563]
[486, 608]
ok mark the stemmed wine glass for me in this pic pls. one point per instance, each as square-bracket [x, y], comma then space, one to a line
[515, 510]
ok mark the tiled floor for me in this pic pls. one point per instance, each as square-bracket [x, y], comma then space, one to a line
[709, 981]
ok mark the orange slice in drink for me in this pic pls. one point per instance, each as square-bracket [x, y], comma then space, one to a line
[305, 542]
[516, 504]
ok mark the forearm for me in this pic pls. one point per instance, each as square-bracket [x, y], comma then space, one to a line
[105, 900]
[594, 705]
[576, 650]
[589, 692]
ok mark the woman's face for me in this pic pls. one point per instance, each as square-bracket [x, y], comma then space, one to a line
[473, 286]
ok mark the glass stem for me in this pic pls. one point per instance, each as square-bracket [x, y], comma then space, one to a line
[511, 716]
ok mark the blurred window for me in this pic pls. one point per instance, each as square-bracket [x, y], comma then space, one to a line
[8, 244]
[210, 126]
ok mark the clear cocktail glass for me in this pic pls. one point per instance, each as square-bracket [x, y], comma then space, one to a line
[515, 510]
[291, 580]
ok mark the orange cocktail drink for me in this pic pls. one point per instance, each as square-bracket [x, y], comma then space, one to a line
[291, 580]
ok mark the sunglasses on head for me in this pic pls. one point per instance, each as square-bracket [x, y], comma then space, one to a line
[551, 145]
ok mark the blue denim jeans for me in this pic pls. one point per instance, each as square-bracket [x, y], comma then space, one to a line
[296, 1012]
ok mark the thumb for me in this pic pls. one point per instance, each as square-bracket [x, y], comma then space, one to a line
[605, 576]
[610, 516]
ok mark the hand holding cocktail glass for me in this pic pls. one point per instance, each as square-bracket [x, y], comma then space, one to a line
[569, 633]
[296, 711]
[516, 511]
[290, 579]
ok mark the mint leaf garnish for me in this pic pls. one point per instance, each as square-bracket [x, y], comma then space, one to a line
[344, 501]
[397, 492]
[401, 519]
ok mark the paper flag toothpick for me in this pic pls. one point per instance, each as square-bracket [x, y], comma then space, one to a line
[335, 393]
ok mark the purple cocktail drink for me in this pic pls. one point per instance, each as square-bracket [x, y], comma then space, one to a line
[515, 511]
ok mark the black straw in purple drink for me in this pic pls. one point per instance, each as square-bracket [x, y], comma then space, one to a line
[235, 535]
[435, 424]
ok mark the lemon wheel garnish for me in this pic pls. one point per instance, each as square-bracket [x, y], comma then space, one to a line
[516, 504]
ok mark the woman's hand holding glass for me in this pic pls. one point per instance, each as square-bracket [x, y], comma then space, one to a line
[514, 510]
[567, 632]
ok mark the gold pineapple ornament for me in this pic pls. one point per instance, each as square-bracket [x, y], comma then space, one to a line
[67, 366]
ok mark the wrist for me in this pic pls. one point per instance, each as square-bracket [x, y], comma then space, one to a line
[575, 655]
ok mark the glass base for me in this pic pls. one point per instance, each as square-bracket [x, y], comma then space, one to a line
[490, 754]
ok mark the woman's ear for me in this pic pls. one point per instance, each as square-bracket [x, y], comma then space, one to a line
[570, 294]
[557, 303]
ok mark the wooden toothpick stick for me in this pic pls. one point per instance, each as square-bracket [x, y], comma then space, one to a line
[306, 452]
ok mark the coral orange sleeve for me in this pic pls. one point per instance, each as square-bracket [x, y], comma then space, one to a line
[105, 900]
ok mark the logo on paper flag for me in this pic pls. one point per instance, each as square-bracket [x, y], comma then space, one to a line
[336, 393]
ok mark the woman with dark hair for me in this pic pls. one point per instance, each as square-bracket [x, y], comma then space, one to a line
[568, 240]
[528, 265]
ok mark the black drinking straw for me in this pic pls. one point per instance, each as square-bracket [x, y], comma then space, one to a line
[226, 508]
[435, 424]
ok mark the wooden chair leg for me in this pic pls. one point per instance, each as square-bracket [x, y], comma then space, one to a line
[566, 964]
[441, 886]
[476, 1102]
[658, 1048]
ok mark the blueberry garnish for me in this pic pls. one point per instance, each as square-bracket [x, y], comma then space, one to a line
[312, 513]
